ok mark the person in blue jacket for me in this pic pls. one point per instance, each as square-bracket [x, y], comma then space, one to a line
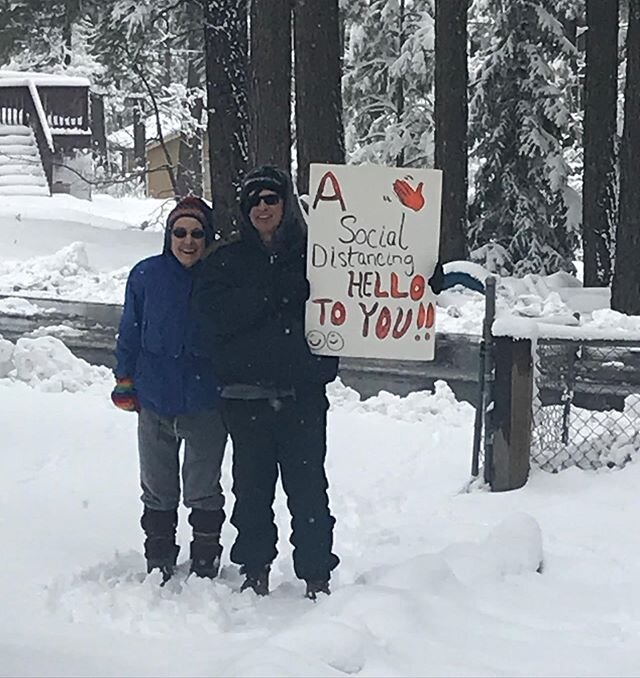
[161, 375]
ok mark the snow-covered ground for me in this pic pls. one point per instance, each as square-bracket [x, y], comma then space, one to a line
[436, 578]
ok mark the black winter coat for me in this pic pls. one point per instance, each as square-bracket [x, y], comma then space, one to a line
[249, 304]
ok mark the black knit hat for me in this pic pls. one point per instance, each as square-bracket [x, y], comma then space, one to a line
[261, 178]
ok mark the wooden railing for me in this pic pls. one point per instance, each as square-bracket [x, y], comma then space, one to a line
[65, 108]
[12, 105]
[41, 131]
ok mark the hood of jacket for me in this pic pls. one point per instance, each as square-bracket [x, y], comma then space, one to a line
[292, 230]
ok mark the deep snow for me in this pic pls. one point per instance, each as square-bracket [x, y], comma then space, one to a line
[437, 578]
[434, 580]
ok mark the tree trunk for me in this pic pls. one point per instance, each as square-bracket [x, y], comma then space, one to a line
[189, 174]
[625, 295]
[399, 85]
[98, 129]
[71, 13]
[451, 124]
[226, 64]
[318, 75]
[270, 86]
[139, 134]
[600, 177]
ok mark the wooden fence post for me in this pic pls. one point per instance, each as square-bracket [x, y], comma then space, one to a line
[513, 393]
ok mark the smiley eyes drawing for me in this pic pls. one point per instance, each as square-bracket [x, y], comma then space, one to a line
[317, 340]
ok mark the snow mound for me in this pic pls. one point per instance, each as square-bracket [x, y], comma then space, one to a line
[512, 548]
[66, 274]
[418, 406]
[15, 306]
[6, 355]
[46, 364]
[606, 319]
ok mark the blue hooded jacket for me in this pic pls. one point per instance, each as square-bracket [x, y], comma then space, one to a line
[156, 346]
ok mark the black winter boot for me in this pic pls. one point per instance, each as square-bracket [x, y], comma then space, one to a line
[160, 548]
[205, 547]
[205, 554]
[315, 586]
[256, 579]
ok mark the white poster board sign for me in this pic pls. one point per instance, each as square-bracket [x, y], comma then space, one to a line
[373, 245]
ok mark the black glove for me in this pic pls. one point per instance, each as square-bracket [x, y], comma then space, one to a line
[436, 281]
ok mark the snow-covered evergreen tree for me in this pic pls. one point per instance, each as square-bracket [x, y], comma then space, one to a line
[520, 122]
[145, 51]
[388, 81]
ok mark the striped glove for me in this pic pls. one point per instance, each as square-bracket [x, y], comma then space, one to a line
[124, 395]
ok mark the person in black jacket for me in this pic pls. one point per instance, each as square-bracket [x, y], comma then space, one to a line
[250, 302]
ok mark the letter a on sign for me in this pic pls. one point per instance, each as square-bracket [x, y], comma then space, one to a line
[337, 191]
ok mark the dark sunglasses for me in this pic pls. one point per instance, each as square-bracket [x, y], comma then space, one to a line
[270, 199]
[196, 234]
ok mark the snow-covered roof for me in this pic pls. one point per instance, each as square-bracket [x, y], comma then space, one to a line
[123, 138]
[21, 78]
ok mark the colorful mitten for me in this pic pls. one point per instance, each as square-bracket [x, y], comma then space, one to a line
[124, 395]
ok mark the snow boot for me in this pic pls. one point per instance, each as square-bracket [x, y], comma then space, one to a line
[256, 579]
[161, 554]
[205, 547]
[315, 586]
[160, 548]
[205, 554]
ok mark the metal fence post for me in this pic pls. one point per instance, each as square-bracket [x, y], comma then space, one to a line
[485, 376]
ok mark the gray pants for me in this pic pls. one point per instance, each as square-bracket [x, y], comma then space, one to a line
[159, 440]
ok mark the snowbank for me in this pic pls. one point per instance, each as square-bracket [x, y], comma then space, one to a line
[45, 363]
[67, 274]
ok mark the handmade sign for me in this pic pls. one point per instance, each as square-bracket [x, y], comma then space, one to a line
[373, 245]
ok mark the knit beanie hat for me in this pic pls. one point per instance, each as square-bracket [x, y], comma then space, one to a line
[261, 178]
[191, 206]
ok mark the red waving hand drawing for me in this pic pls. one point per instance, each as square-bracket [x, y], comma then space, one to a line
[409, 197]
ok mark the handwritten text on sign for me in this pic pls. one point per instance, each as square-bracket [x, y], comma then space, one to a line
[373, 243]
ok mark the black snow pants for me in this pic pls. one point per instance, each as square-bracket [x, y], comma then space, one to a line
[286, 435]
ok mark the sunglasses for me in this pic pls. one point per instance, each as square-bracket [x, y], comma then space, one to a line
[196, 234]
[270, 199]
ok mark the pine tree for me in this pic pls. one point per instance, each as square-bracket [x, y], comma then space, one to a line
[451, 151]
[388, 81]
[625, 293]
[142, 45]
[22, 24]
[270, 83]
[318, 72]
[226, 44]
[599, 202]
[520, 122]
[189, 177]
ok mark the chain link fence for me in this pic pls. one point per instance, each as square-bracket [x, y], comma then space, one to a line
[586, 404]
